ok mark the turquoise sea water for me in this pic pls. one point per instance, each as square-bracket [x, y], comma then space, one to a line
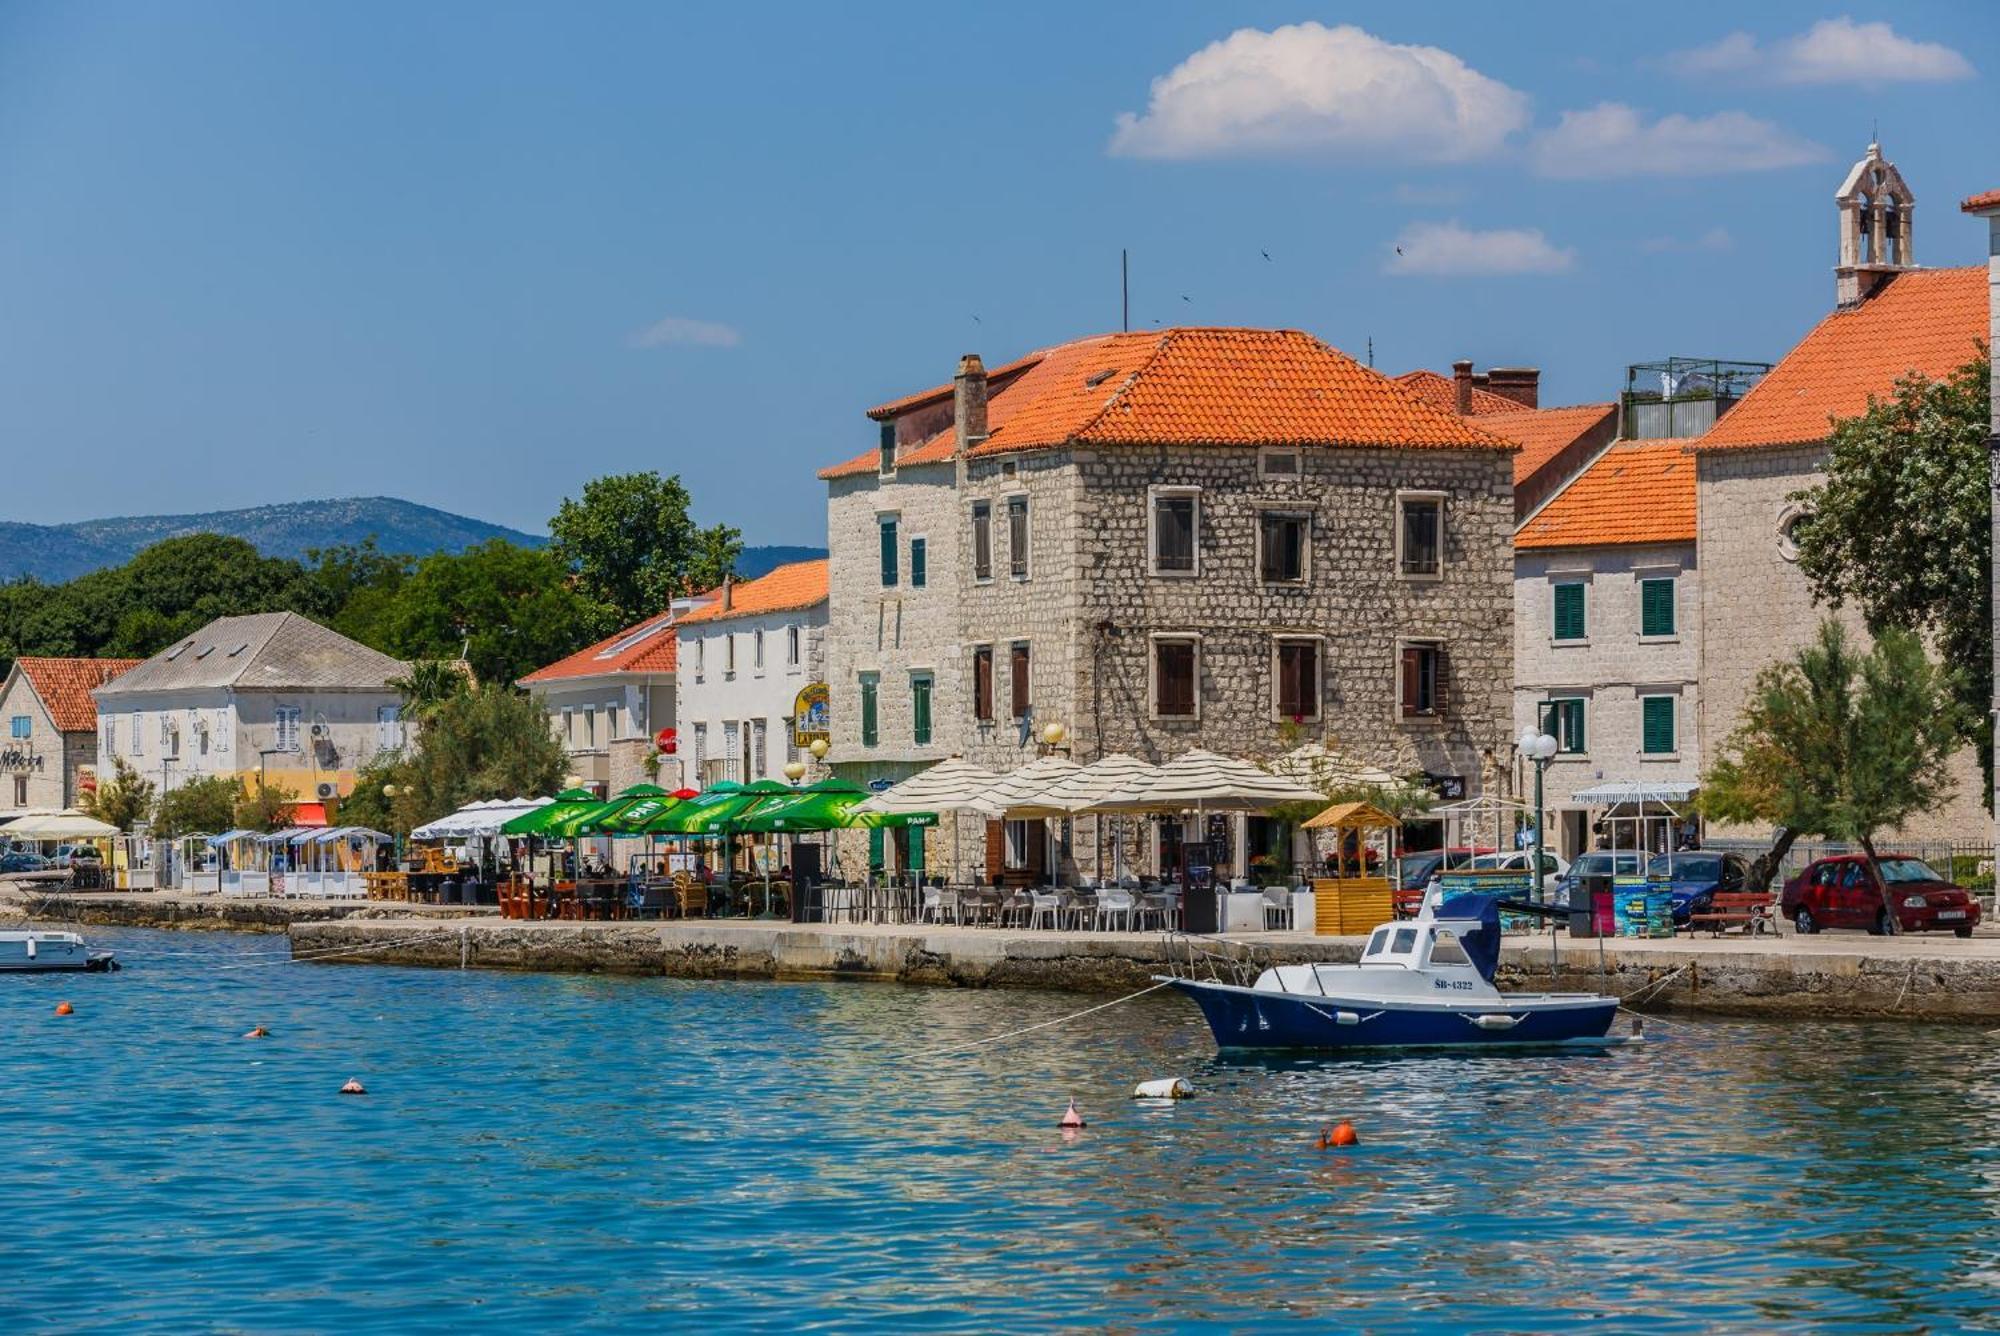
[544, 1152]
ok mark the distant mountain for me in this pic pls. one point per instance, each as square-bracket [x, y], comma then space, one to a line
[58, 552]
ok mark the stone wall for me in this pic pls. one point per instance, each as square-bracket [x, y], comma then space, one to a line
[1757, 607]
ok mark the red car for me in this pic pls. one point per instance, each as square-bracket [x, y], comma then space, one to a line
[1839, 893]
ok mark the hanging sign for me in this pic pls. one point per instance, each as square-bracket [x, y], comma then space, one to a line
[812, 715]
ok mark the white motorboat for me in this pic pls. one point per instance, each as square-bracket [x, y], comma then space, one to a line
[35, 951]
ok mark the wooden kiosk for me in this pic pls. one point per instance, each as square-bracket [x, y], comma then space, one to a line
[1356, 898]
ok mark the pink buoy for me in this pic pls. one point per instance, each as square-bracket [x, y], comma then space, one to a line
[353, 1087]
[1072, 1118]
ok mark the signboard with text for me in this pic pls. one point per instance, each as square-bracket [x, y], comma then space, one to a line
[812, 715]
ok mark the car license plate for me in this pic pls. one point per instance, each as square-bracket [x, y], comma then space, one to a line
[1951, 913]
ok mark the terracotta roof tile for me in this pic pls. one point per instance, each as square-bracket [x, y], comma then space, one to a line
[1441, 391]
[939, 393]
[1201, 387]
[1980, 203]
[1925, 320]
[643, 647]
[798, 584]
[1544, 433]
[1635, 492]
[64, 686]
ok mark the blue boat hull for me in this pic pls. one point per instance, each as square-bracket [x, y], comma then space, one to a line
[1260, 1018]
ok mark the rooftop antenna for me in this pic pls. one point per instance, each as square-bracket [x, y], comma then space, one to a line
[1125, 289]
[1371, 352]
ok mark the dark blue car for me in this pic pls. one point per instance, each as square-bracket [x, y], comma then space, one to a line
[1695, 876]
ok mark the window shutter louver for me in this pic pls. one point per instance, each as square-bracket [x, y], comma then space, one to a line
[1569, 612]
[1412, 667]
[1441, 683]
[1658, 725]
[1656, 610]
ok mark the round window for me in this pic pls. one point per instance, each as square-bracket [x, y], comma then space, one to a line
[1789, 522]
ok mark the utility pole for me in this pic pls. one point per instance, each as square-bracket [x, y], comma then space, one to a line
[1125, 289]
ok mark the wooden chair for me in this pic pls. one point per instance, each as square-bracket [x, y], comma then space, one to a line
[693, 895]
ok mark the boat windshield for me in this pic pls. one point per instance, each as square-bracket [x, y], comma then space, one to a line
[1445, 949]
[1406, 942]
[1378, 943]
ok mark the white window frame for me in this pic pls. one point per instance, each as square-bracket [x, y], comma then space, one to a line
[1640, 578]
[1582, 698]
[388, 726]
[1269, 452]
[1153, 642]
[285, 720]
[1305, 555]
[794, 646]
[1435, 719]
[1280, 639]
[757, 651]
[700, 643]
[138, 733]
[1404, 496]
[729, 656]
[1154, 495]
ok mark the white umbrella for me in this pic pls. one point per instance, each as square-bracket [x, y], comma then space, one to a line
[1023, 794]
[954, 785]
[1207, 782]
[1320, 767]
[1093, 783]
[60, 826]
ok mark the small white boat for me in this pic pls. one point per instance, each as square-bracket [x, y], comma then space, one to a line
[33, 951]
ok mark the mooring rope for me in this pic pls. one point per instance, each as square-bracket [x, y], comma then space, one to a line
[1030, 1029]
[296, 959]
[1656, 984]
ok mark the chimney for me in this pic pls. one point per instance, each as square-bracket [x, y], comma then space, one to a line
[1461, 382]
[968, 404]
[728, 591]
[1522, 384]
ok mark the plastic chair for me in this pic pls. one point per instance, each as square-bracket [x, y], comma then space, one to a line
[1277, 908]
[1114, 905]
[1044, 905]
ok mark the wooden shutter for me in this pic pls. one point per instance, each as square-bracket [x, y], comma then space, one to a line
[996, 851]
[888, 553]
[982, 541]
[1656, 610]
[869, 705]
[1412, 669]
[982, 683]
[1569, 612]
[1174, 667]
[1440, 682]
[1017, 680]
[918, 575]
[1658, 725]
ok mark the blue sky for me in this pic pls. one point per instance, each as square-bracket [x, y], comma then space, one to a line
[476, 254]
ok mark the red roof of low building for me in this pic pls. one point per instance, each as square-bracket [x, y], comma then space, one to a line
[644, 647]
[1544, 433]
[64, 686]
[1928, 321]
[1635, 492]
[1197, 386]
[1980, 203]
[795, 585]
[1441, 391]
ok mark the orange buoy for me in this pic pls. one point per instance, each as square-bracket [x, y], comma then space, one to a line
[64, 1009]
[1340, 1134]
[353, 1087]
[258, 1033]
[1072, 1118]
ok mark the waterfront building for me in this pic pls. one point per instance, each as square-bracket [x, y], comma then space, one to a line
[1608, 640]
[1236, 539]
[752, 676]
[608, 702]
[1891, 317]
[272, 696]
[1987, 205]
[49, 754]
[1556, 443]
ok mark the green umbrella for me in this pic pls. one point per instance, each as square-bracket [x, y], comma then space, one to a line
[632, 818]
[802, 809]
[641, 790]
[717, 808]
[537, 822]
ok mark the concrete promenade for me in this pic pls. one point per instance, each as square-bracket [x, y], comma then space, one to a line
[1833, 975]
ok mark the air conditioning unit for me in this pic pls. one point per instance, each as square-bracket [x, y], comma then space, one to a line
[319, 730]
[327, 790]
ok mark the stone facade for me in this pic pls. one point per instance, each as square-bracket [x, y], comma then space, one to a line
[1757, 608]
[39, 765]
[1610, 669]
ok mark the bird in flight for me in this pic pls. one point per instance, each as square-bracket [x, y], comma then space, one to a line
[1266, 254]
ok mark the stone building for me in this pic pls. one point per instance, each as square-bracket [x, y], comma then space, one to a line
[49, 754]
[1225, 538]
[1891, 318]
[1556, 443]
[1987, 205]
[1607, 641]
[272, 696]
[749, 667]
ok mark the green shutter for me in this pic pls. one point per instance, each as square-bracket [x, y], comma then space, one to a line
[917, 563]
[888, 553]
[1569, 612]
[1563, 721]
[1656, 607]
[868, 690]
[1658, 721]
[920, 710]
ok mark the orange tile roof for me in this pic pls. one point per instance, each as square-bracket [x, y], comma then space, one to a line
[1925, 320]
[1200, 387]
[64, 686]
[939, 393]
[1980, 203]
[643, 647]
[1441, 391]
[1544, 433]
[1635, 492]
[797, 584]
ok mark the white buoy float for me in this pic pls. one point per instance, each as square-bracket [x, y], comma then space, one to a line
[1171, 1087]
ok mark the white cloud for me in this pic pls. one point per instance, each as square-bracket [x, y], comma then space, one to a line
[1611, 139]
[678, 329]
[1451, 250]
[1715, 239]
[1832, 51]
[1307, 88]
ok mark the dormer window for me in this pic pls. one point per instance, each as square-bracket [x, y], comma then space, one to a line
[887, 462]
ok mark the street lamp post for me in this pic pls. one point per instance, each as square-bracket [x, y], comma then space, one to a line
[1539, 748]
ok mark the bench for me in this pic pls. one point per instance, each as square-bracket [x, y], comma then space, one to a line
[1753, 909]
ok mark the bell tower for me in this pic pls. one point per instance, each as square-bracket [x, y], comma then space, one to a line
[1875, 209]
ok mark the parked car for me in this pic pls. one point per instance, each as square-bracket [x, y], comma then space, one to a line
[1598, 863]
[1838, 893]
[1694, 876]
[20, 860]
[1553, 866]
[1420, 869]
[67, 856]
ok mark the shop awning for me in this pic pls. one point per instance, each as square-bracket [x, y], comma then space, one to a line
[229, 837]
[309, 814]
[1616, 794]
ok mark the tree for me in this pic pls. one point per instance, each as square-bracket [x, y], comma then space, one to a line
[489, 742]
[123, 801]
[506, 609]
[634, 547]
[266, 807]
[1838, 745]
[1902, 527]
[428, 685]
[203, 806]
